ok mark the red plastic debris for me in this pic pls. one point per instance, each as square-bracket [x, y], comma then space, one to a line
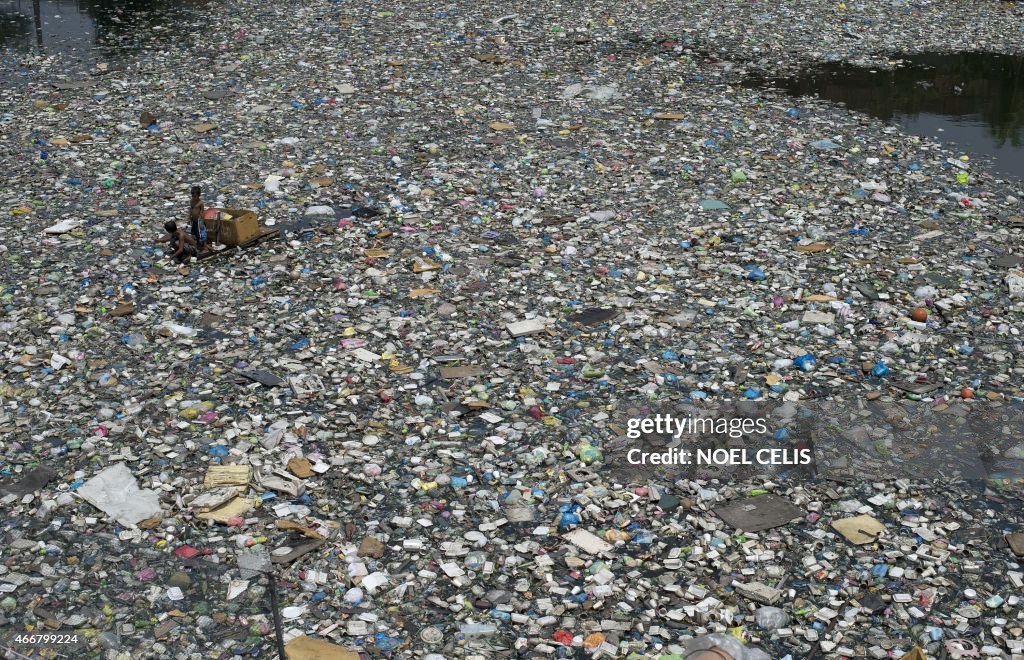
[563, 637]
[187, 552]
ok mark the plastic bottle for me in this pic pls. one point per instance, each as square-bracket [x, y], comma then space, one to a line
[478, 629]
[134, 339]
[475, 560]
[771, 618]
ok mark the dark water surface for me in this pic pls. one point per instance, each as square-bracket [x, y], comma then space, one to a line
[87, 32]
[975, 100]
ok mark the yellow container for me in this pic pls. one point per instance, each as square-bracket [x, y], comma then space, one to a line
[233, 227]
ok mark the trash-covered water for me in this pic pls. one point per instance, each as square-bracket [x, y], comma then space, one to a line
[88, 32]
[975, 100]
[471, 258]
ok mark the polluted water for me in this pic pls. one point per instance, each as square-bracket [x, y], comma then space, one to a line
[76, 35]
[455, 265]
[974, 100]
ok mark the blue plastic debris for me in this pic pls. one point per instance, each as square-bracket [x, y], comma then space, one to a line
[757, 275]
[805, 362]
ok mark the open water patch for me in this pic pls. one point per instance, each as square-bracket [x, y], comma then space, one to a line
[974, 100]
[88, 32]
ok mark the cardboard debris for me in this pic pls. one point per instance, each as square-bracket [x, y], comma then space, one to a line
[423, 293]
[758, 592]
[424, 265]
[811, 248]
[468, 371]
[914, 654]
[122, 310]
[227, 475]
[236, 508]
[660, 368]
[308, 532]
[165, 628]
[859, 529]
[151, 523]
[371, 547]
[491, 58]
[213, 499]
[307, 648]
[1016, 543]
[527, 327]
[584, 540]
[670, 116]
[301, 467]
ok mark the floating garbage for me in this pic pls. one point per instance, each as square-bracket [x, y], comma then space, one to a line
[508, 246]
